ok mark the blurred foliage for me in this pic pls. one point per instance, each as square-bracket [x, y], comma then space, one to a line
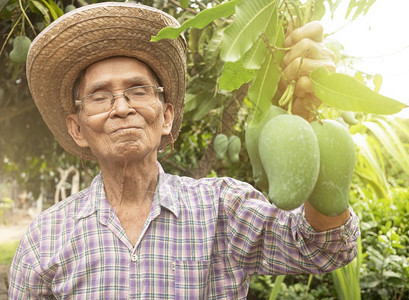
[384, 273]
[7, 251]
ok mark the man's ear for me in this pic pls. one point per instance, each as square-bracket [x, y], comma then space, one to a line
[168, 115]
[74, 129]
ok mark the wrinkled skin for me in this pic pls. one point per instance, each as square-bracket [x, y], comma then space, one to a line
[125, 140]
[124, 132]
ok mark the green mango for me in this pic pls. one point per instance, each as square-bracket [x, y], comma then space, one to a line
[220, 145]
[21, 44]
[349, 117]
[342, 122]
[337, 161]
[234, 148]
[290, 156]
[69, 8]
[251, 139]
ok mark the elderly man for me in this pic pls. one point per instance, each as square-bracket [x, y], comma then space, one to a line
[110, 95]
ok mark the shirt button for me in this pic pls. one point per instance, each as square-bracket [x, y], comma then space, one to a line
[134, 257]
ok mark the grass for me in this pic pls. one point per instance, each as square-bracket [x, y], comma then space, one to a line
[7, 251]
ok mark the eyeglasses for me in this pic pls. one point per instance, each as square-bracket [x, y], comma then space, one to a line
[101, 102]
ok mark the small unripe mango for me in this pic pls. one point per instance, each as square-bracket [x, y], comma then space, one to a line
[234, 148]
[21, 44]
[220, 145]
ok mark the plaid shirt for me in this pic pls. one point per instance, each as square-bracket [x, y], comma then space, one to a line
[203, 239]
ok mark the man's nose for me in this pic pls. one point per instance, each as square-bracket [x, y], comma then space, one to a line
[121, 106]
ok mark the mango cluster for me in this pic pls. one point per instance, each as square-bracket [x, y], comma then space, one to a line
[296, 161]
[227, 147]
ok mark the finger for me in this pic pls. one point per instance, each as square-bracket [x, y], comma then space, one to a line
[309, 49]
[305, 107]
[292, 25]
[293, 70]
[312, 30]
[313, 100]
[303, 87]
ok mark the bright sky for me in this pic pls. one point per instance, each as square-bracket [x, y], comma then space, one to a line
[381, 40]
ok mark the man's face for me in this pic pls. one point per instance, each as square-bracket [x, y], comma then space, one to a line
[124, 132]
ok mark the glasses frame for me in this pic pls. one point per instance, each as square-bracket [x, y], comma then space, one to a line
[80, 101]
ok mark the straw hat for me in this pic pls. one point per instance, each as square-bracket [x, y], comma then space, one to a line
[92, 33]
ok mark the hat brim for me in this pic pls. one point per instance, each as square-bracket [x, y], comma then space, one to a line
[93, 33]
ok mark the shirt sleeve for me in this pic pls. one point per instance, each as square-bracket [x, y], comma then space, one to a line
[25, 281]
[268, 240]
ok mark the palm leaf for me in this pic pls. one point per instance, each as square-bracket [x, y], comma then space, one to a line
[369, 164]
[250, 21]
[386, 135]
[400, 125]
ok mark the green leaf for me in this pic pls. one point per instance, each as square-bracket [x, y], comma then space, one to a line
[347, 93]
[256, 55]
[214, 46]
[53, 9]
[368, 6]
[361, 7]
[276, 287]
[377, 81]
[400, 125]
[390, 140]
[42, 9]
[369, 165]
[184, 3]
[56, 8]
[389, 273]
[202, 19]
[205, 103]
[351, 5]
[333, 6]
[2, 4]
[265, 83]
[234, 76]
[250, 21]
[319, 10]
[191, 102]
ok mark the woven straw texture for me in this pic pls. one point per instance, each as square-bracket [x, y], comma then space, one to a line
[92, 33]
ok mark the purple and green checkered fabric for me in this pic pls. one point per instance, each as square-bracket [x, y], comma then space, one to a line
[203, 239]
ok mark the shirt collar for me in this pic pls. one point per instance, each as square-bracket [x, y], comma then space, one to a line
[96, 201]
[166, 195]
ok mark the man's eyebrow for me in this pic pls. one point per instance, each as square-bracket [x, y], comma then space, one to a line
[97, 86]
[140, 80]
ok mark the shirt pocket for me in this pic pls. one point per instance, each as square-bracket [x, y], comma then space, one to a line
[191, 279]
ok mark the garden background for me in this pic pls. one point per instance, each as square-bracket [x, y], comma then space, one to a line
[35, 172]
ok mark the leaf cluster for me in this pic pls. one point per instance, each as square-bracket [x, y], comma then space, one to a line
[385, 241]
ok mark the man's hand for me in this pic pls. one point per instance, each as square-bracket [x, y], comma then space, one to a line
[321, 222]
[307, 53]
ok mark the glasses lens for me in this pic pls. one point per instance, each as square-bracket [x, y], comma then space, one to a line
[97, 103]
[140, 93]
